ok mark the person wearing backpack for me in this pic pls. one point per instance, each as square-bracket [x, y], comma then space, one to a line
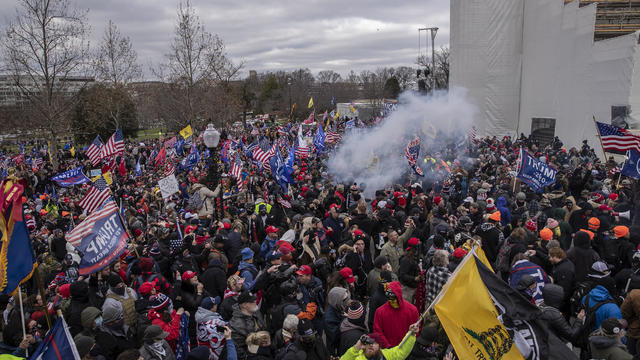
[553, 297]
[599, 305]
[207, 199]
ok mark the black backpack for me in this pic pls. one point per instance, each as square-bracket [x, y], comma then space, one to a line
[582, 339]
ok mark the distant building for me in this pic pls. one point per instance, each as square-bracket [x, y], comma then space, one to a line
[12, 95]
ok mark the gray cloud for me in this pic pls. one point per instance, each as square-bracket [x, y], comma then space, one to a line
[281, 35]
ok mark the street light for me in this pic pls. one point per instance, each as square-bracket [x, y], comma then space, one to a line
[211, 138]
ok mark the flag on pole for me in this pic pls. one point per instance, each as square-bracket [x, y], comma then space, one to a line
[138, 168]
[310, 103]
[186, 132]
[96, 196]
[310, 119]
[615, 139]
[114, 146]
[318, 140]
[631, 167]
[93, 151]
[17, 259]
[122, 168]
[170, 142]
[485, 318]
[333, 101]
[236, 172]
[101, 237]
[333, 136]
[57, 344]
[71, 177]
[412, 152]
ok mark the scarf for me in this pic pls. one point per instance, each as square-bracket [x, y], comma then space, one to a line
[228, 293]
[158, 349]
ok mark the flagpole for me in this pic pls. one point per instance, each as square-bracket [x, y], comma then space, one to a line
[599, 138]
[36, 274]
[126, 229]
[24, 330]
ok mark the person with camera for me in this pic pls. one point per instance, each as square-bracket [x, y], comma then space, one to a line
[210, 326]
[373, 346]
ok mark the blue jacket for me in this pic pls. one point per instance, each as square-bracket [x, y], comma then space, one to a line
[266, 246]
[505, 214]
[248, 272]
[600, 294]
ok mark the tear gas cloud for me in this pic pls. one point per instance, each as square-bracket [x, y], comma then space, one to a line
[375, 156]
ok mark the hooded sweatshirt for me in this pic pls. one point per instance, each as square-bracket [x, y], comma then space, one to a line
[582, 255]
[599, 294]
[394, 323]
[607, 347]
[337, 299]
[505, 214]
[208, 334]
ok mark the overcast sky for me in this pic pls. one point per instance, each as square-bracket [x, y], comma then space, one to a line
[281, 35]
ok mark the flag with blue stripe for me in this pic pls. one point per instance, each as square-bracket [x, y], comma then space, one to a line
[57, 344]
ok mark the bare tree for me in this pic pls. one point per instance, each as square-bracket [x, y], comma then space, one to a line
[441, 72]
[45, 51]
[328, 76]
[116, 61]
[197, 65]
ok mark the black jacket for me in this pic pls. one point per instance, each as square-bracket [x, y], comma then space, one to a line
[214, 278]
[582, 256]
[564, 274]
[553, 297]
[492, 238]
[190, 298]
[232, 246]
[79, 301]
[349, 335]
[378, 299]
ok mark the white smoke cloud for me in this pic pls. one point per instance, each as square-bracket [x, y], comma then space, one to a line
[356, 157]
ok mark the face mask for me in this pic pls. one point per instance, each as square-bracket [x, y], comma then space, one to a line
[118, 291]
[98, 321]
[394, 303]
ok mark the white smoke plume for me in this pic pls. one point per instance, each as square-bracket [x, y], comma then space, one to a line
[375, 156]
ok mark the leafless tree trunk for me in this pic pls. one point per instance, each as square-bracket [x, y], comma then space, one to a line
[116, 62]
[45, 49]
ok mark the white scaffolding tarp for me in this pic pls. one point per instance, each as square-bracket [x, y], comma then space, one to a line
[537, 59]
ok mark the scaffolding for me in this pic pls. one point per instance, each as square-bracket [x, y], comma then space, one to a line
[614, 17]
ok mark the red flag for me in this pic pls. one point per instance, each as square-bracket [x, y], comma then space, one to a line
[109, 166]
[310, 119]
[162, 156]
[122, 169]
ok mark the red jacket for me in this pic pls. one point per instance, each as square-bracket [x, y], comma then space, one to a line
[392, 323]
[173, 328]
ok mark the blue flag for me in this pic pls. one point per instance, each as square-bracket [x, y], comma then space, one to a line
[16, 254]
[178, 146]
[333, 101]
[182, 346]
[138, 168]
[288, 165]
[101, 237]
[277, 169]
[71, 177]
[535, 173]
[631, 167]
[57, 344]
[318, 140]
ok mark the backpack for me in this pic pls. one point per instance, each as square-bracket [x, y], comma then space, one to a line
[502, 259]
[582, 339]
[195, 201]
[581, 290]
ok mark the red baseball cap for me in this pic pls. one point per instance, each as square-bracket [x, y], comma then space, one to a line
[188, 275]
[285, 248]
[347, 274]
[357, 232]
[413, 242]
[272, 229]
[304, 270]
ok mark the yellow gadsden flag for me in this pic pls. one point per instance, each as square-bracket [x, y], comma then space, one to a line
[106, 176]
[470, 318]
[310, 103]
[186, 132]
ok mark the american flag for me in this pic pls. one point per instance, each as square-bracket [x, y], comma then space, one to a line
[93, 151]
[411, 152]
[614, 171]
[176, 243]
[236, 171]
[169, 169]
[96, 196]
[170, 142]
[310, 119]
[302, 150]
[333, 136]
[284, 202]
[262, 156]
[617, 139]
[75, 236]
[114, 146]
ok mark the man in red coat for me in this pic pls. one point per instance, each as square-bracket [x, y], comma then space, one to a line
[392, 320]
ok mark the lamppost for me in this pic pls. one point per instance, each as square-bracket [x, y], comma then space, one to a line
[211, 138]
[289, 85]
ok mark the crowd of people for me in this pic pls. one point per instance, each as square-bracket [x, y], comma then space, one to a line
[327, 269]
